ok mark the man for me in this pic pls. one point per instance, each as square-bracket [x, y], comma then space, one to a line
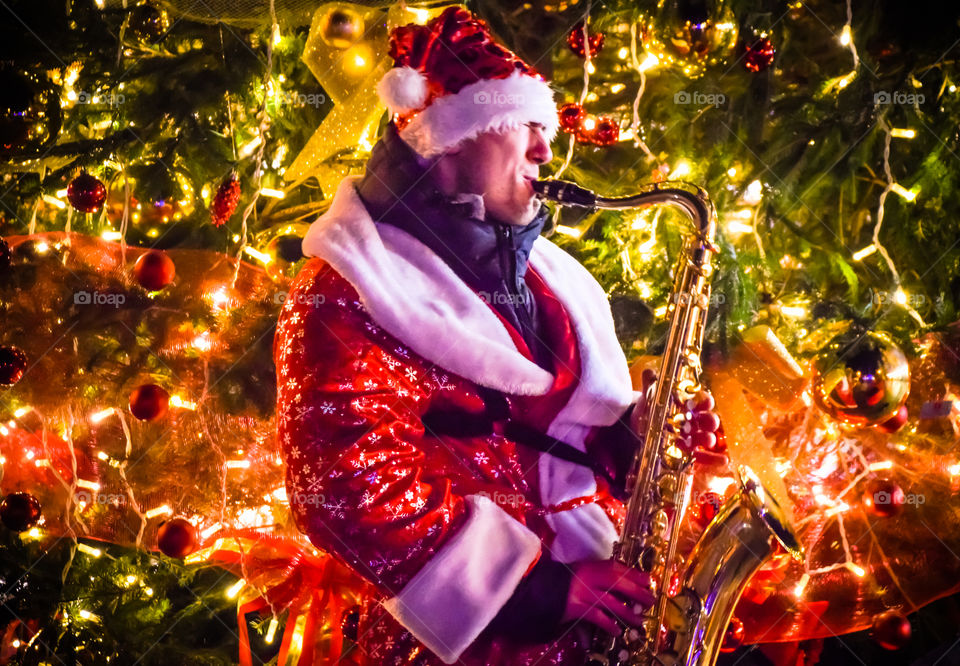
[448, 379]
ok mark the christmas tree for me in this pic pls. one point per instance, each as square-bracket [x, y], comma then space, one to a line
[161, 162]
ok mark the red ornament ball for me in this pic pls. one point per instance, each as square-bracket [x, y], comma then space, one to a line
[13, 363]
[571, 117]
[576, 43]
[86, 193]
[733, 638]
[19, 511]
[606, 132]
[758, 54]
[895, 422]
[884, 498]
[225, 200]
[149, 402]
[891, 630]
[177, 537]
[154, 270]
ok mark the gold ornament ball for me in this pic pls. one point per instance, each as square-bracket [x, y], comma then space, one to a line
[861, 378]
[690, 39]
[281, 244]
[341, 28]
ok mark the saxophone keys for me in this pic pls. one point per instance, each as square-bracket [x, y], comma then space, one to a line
[660, 523]
[667, 485]
[672, 457]
[650, 627]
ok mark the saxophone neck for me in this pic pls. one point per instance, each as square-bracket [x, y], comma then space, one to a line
[692, 199]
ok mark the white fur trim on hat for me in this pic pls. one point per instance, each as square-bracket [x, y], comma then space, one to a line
[403, 89]
[486, 105]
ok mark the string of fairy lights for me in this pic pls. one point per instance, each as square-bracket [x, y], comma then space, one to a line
[738, 222]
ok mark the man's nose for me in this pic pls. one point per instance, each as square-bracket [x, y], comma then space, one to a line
[538, 150]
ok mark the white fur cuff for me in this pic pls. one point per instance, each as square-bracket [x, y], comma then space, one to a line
[466, 583]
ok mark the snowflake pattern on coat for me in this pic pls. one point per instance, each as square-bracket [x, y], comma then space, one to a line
[367, 481]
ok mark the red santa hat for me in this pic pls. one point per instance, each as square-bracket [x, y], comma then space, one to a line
[451, 81]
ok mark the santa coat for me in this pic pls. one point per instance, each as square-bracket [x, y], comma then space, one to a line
[377, 337]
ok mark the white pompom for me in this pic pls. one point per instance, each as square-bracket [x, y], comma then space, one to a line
[403, 89]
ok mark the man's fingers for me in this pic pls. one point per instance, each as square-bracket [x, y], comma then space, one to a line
[625, 612]
[703, 401]
[647, 379]
[700, 440]
[596, 616]
[705, 421]
[631, 584]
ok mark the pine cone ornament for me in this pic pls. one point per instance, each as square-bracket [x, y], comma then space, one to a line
[225, 201]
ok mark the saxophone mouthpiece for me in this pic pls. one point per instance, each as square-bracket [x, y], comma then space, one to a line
[563, 192]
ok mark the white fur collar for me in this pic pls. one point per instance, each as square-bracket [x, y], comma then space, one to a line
[417, 298]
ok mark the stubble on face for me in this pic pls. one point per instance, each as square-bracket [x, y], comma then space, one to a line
[497, 166]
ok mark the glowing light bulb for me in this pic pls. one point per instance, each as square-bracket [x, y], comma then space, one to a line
[682, 170]
[845, 36]
[753, 193]
[801, 585]
[163, 509]
[794, 311]
[649, 62]
[900, 133]
[271, 630]
[96, 417]
[909, 195]
[234, 589]
[573, 232]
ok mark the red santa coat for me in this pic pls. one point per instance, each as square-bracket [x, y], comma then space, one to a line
[378, 333]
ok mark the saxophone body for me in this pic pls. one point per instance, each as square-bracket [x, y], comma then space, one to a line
[695, 599]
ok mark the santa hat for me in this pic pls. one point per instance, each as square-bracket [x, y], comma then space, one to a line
[451, 81]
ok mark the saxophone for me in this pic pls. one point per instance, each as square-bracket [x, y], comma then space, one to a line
[694, 600]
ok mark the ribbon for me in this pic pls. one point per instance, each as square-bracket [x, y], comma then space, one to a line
[314, 588]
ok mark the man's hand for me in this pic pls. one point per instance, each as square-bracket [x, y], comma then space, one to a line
[606, 593]
[699, 430]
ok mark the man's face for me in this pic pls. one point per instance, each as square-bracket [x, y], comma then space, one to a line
[499, 166]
